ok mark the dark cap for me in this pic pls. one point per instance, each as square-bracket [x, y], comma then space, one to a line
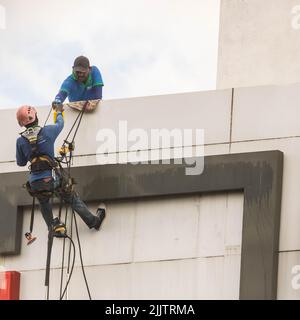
[81, 63]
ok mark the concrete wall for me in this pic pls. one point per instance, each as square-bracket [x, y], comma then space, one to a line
[265, 118]
[140, 113]
[183, 247]
[259, 43]
[173, 248]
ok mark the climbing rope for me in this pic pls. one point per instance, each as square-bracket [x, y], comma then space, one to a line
[67, 148]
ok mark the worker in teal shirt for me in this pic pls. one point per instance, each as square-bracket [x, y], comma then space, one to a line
[85, 83]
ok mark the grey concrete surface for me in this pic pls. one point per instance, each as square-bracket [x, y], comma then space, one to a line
[258, 43]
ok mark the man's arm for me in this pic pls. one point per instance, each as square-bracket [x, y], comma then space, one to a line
[58, 126]
[64, 91]
[21, 161]
[95, 93]
[61, 96]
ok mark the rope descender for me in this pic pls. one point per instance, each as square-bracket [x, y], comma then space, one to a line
[66, 148]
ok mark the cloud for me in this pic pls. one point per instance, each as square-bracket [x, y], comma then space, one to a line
[142, 47]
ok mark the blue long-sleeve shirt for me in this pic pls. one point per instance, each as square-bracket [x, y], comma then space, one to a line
[78, 91]
[46, 139]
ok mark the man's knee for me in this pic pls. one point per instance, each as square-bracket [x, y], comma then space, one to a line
[43, 200]
[68, 196]
[43, 197]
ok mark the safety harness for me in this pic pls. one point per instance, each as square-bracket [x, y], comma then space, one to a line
[39, 162]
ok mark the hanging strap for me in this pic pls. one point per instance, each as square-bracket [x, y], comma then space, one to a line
[48, 262]
[28, 235]
[32, 215]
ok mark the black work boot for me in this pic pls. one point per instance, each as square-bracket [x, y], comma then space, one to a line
[101, 213]
[58, 228]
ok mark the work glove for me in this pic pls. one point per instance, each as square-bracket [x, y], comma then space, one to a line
[57, 106]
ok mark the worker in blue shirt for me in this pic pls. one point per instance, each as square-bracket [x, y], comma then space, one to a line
[85, 83]
[36, 145]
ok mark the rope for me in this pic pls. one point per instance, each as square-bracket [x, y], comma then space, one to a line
[72, 268]
[63, 257]
[79, 116]
[67, 161]
[48, 117]
[81, 260]
[69, 256]
[71, 235]
[48, 262]
[50, 236]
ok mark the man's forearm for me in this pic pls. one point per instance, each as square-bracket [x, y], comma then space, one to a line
[61, 96]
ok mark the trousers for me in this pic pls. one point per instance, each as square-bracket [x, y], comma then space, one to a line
[70, 198]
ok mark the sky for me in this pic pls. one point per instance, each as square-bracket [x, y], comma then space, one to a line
[142, 47]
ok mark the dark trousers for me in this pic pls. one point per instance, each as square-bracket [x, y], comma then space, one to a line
[69, 198]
